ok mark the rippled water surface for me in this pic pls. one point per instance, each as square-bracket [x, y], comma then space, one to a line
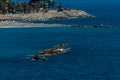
[94, 54]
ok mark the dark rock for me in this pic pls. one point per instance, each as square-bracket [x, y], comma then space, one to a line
[61, 48]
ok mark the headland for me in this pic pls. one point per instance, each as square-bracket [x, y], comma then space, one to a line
[13, 19]
[51, 14]
[35, 10]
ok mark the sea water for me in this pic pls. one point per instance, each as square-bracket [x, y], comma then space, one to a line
[94, 52]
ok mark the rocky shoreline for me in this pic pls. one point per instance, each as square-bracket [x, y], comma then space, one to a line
[22, 20]
[51, 14]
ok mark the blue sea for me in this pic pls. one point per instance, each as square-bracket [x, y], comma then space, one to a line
[94, 52]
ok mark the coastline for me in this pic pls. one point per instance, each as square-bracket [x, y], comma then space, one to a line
[50, 15]
[16, 24]
[15, 20]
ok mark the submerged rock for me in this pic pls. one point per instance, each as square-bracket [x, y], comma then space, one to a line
[58, 49]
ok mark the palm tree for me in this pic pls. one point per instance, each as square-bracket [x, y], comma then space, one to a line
[2, 0]
[33, 1]
[4, 6]
[46, 5]
[59, 6]
[51, 3]
[43, 5]
[9, 7]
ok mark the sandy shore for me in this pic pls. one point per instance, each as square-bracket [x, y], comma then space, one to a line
[15, 24]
